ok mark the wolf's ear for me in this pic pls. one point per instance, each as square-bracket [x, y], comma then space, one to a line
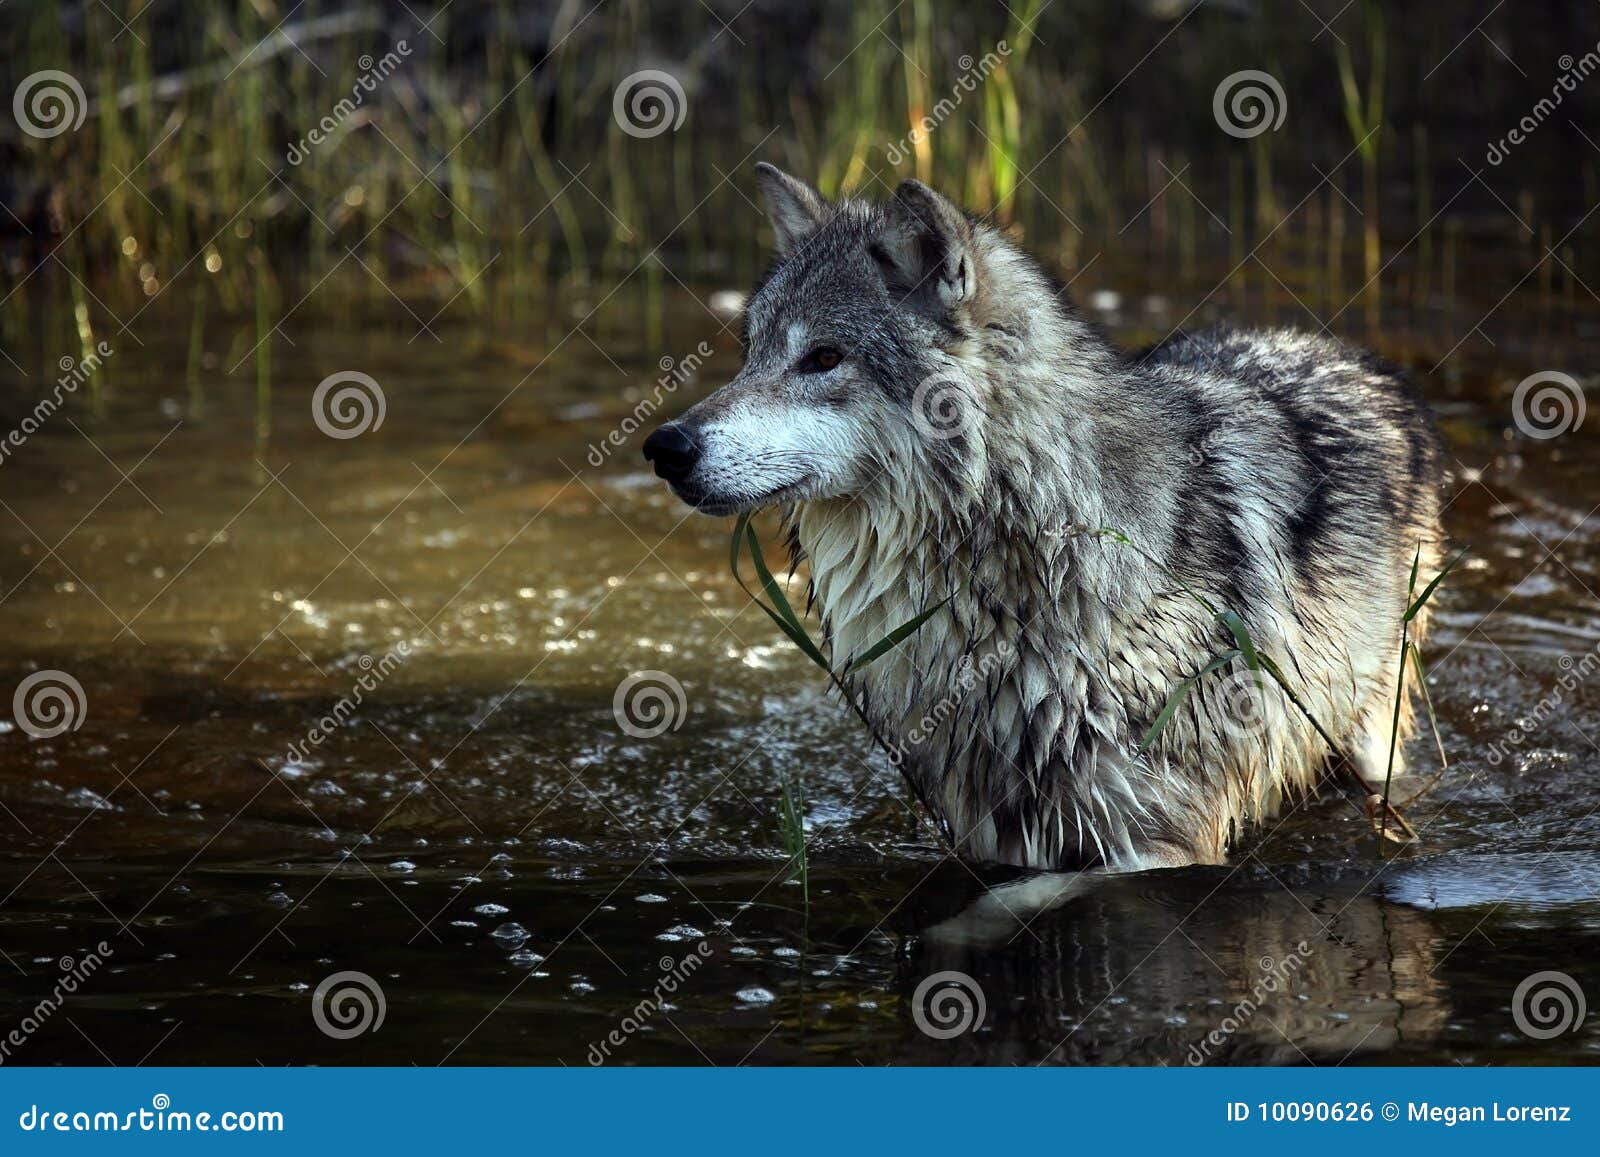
[794, 207]
[926, 250]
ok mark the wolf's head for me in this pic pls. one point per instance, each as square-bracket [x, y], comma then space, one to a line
[871, 352]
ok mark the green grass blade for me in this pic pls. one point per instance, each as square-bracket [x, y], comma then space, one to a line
[791, 821]
[1241, 638]
[769, 583]
[1175, 699]
[1427, 591]
[1427, 703]
[797, 636]
[1394, 734]
[734, 543]
[784, 615]
[1270, 666]
[894, 638]
[782, 612]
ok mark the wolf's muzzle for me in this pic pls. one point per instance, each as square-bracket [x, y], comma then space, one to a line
[672, 452]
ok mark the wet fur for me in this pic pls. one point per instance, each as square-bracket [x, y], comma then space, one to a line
[1278, 474]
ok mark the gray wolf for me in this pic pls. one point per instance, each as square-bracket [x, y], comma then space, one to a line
[937, 423]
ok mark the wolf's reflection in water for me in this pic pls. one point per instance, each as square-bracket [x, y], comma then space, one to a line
[1174, 968]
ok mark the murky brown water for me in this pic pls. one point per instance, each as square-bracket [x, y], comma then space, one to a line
[517, 874]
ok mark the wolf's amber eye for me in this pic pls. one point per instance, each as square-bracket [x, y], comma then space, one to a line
[821, 360]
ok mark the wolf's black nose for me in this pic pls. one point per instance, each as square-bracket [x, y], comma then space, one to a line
[672, 452]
